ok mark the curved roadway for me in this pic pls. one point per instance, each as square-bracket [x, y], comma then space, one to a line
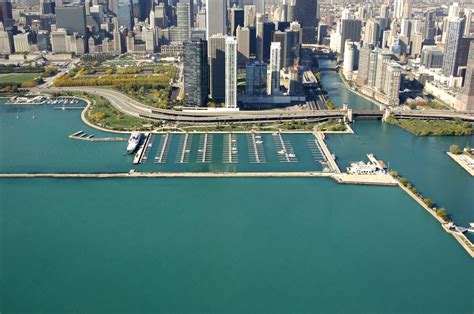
[133, 107]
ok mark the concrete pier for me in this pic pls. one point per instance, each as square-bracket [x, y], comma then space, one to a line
[323, 147]
[466, 162]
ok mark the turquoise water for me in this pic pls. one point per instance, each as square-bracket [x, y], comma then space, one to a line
[224, 246]
[41, 144]
[423, 160]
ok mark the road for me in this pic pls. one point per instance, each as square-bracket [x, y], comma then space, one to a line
[132, 107]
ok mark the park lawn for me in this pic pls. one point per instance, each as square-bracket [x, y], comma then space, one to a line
[103, 114]
[18, 78]
[434, 127]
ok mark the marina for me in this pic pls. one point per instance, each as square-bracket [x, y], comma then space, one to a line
[262, 226]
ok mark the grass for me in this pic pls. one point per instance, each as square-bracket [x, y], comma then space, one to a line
[19, 78]
[434, 127]
[102, 114]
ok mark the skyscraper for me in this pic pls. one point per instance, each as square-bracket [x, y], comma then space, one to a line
[236, 19]
[306, 14]
[184, 28]
[364, 64]
[392, 83]
[466, 100]
[6, 16]
[243, 44]
[256, 78]
[249, 15]
[273, 80]
[383, 57]
[72, 18]
[215, 17]
[350, 30]
[230, 72]
[260, 6]
[217, 66]
[195, 72]
[452, 48]
[371, 32]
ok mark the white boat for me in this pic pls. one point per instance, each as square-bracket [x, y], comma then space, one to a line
[291, 155]
[281, 152]
[258, 142]
[133, 142]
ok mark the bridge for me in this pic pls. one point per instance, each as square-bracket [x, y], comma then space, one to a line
[127, 105]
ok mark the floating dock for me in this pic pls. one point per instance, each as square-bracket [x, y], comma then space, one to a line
[82, 136]
[255, 148]
[184, 150]
[163, 149]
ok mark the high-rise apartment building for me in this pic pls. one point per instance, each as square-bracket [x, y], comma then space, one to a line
[195, 72]
[256, 78]
[452, 48]
[72, 18]
[306, 14]
[217, 66]
[215, 17]
[273, 81]
[230, 72]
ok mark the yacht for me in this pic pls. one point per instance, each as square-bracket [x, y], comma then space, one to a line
[133, 142]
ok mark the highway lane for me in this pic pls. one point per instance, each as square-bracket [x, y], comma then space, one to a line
[133, 107]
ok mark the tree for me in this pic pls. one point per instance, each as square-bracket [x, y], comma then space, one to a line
[428, 202]
[441, 212]
[404, 181]
[454, 149]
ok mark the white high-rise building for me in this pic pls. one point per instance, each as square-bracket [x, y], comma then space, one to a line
[230, 72]
[260, 6]
[467, 26]
[59, 40]
[398, 9]
[250, 15]
[453, 10]
[215, 17]
[348, 65]
[273, 78]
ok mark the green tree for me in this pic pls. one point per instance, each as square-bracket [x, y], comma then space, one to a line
[454, 149]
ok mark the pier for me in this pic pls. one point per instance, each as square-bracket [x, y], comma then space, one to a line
[286, 152]
[205, 148]
[163, 149]
[184, 149]
[255, 147]
[142, 153]
[230, 154]
[82, 136]
[466, 162]
[319, 140]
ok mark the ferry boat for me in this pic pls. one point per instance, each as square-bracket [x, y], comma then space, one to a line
[133, 142]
